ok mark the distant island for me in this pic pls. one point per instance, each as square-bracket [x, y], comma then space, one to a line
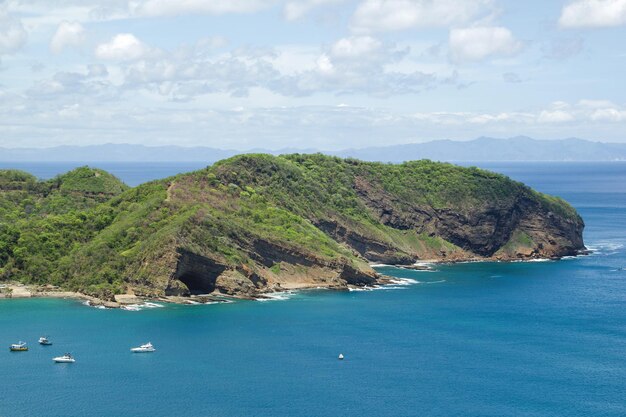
[259, 223]
[479, 150]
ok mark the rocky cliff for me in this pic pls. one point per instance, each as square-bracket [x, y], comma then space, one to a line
[258, 223]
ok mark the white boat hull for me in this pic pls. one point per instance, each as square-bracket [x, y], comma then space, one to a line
[64, 360]
[142, 350]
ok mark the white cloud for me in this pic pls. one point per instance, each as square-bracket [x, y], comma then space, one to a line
[596, 104]
[352, 65]
[593, 13]
[294, 10]
[12, 34]
[560, 105]
[122, 47]
[180, 7]
[97, 70]
[465, 118]
[68, 34]
[324, 64]
[555, 116]
[478, 43]
[498, 117]
[355, 47]
[90, 84]
[609, 115]
[391, 15]
[69, 117]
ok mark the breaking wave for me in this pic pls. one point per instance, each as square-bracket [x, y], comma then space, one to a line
[141, 306]
[276, 296]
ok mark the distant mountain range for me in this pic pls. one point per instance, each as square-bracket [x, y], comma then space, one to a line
[483, 149]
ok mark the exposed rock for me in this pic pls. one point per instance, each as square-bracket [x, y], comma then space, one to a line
[125, 299]
[195, 274]
[259, 223]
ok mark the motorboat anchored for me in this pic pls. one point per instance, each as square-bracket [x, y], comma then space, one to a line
[44, 341]
[67, 358]
[143, 348]
[18, 347]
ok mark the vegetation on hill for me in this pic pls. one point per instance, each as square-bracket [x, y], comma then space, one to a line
[254, 222]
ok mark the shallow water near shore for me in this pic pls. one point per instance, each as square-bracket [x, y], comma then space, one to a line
[535, 339]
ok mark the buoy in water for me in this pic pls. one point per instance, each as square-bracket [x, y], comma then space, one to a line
[340, 356]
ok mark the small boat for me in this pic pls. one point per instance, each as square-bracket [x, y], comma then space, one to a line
[340, 356]
[44, 341]
[18, 347]
[143, 348]
[67, 358]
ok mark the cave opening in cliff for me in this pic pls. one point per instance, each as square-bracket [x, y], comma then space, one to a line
[197, 283]
[197, 273]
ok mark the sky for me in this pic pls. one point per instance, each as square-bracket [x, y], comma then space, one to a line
[314, 74]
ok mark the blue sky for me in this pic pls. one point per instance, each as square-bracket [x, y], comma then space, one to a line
[325, 74]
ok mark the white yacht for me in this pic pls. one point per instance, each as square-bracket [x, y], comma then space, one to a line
[340, 356]
[44, 341]
[143, 348]
[67, 358]
[19, 347]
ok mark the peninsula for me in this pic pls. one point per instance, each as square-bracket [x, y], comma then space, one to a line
[258, 223]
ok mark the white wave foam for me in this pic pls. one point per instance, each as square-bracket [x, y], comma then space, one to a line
[532, 260]
[428, 265]
[605, 248]
[366, 288]
[276, 296]
[404, 281]
[394, 284]
[218, 302]
[435, 282]
[98, 306]
[141, 306]
[153, 305]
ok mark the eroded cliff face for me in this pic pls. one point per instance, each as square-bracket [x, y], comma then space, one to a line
[521, 229]
[274, 268]
[517, 229]
[259, 223]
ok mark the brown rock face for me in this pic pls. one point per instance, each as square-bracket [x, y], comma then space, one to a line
[480, 231]
[368, 248]
[194, 274]
[370, 215]
[197, 274]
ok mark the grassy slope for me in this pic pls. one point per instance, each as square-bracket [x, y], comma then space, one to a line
[86, 231]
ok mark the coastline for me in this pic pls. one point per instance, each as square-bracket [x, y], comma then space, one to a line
[130, 301]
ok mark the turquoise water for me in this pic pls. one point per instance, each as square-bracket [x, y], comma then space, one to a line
[489, 339]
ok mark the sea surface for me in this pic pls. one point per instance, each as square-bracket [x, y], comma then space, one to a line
[476, 339]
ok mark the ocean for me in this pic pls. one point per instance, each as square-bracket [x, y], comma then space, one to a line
[475, 339]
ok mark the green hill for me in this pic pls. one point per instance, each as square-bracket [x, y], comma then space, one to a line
[255, 223]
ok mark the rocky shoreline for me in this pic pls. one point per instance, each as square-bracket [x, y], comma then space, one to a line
[132, 301]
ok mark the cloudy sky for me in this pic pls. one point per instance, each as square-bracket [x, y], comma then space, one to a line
[325, 74]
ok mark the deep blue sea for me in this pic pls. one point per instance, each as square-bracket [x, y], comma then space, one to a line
[479, 339]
